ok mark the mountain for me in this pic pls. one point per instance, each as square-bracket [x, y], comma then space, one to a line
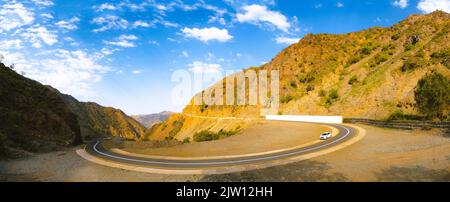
[38, 118]
[151, 119]
[366, 74]
[98, 121]
[33, 117]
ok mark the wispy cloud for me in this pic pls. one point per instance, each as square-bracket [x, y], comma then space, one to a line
[257, 14]
[401, 3]
[68, 24]
[286, 40]
[428, 6]
[110, 22]
[207, 34]
[201, 67]
[124, 41]
[15, 15]
[38, 35]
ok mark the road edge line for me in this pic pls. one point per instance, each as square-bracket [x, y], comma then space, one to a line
[223, 170]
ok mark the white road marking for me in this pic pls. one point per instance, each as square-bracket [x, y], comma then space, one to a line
[223, 162]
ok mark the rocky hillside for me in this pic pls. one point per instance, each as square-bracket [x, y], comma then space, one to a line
[366, 74]
[38, 118]
[33, 117]
[149, 120]
[98, 121]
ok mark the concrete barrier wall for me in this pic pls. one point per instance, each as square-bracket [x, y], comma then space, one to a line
[305, 118]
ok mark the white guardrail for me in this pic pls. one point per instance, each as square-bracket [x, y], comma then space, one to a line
[306, 118]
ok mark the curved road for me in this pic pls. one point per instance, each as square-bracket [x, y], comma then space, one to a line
[96, 149]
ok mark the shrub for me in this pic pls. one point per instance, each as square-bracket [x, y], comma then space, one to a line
[442, 57]
[177, 125]
[379, 58]
[322, 93]
[367, 49]
[203, 136]
[353, 60]
[441, 54]
[333, 94]
[396, 115]
[306, 78]
[309, 88]
[186, 140]
[412, 63]
[293, 84]
[331, 98]
[286, 98]
[207, 135]
[396, 36]
[432, 94]
[353, 80]
[409, 47]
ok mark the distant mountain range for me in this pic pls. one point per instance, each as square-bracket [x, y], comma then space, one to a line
[36, 118]
[151, 119]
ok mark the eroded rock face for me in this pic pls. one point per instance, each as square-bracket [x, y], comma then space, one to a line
[99, 121]
[383, 64]
[38, 118]
[361, 67]
[33, 118]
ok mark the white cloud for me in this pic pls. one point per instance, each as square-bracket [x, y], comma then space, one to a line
[317, 6]
[14, 15]
[136, 72]
[256, 14]
[43, 2]
[286, 40]
[69, 24]
[207, 34]
[401, 3]
[107, 51]
[161, 7]
[218, 19]
[47, 15]
[428, 6]
[140, 23]
[106, 6]
[38, 35]
[200, 67]
[110, 22]
[340, 5]
[185, 54]
[124, 41]
[72, 72]
[11, 44]
[153, 42]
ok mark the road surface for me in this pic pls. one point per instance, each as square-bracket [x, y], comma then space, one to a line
[96, 149]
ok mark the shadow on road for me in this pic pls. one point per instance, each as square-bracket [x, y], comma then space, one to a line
[305, 171]
[414, 174]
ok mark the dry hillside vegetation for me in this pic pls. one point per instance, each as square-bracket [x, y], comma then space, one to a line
[367, 74]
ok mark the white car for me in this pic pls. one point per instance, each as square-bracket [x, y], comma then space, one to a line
[325, 135]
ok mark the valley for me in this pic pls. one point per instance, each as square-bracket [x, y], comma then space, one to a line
[393, 74]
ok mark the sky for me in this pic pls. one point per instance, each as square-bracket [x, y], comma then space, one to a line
[123, 53]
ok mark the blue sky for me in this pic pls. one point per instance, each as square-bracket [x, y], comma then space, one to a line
[122, 53]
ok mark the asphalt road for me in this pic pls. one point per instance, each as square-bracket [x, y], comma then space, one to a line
[96, 149]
